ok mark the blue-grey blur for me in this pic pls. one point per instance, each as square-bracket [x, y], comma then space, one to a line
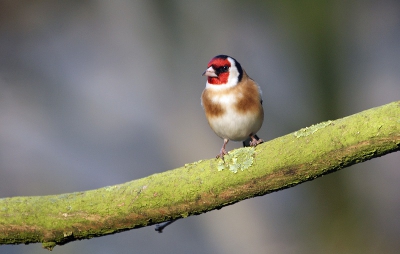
[96, 93]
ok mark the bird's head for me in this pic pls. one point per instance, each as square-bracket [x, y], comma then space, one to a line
[223, 70]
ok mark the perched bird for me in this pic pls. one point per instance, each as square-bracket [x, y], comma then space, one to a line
[232, 102]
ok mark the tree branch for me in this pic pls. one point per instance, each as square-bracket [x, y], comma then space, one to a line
[205, 185]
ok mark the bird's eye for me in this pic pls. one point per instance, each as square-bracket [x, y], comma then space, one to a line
[223, 69]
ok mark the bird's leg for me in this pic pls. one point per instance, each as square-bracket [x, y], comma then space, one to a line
[223, 151]
[254, 141]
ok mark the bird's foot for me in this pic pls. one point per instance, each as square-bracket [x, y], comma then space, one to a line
[255, 142]
[221, 153]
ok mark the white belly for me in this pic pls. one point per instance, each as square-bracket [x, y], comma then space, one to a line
[234, 126]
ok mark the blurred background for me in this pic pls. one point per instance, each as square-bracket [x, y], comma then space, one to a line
[96, 93]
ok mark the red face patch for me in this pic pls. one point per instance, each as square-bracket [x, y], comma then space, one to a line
[221, 67]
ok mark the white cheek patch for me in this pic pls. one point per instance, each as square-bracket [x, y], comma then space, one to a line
[233, 78]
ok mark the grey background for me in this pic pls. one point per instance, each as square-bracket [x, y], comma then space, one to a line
[96, 93]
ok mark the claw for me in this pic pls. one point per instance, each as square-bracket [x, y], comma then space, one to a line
[254, 141]
[221, 153]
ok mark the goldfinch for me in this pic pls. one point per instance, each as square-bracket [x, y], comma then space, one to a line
[232, 102]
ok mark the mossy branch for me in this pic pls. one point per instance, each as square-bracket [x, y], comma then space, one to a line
[202, 186]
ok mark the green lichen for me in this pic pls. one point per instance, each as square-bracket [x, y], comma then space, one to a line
[239, 159]
[49, 245]
[68, 233]
[110, 188]
[312, 129]
[193, 163]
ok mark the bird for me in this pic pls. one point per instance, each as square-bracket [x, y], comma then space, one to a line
[232, 102]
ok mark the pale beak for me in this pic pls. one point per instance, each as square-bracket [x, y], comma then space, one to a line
[210, 72]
